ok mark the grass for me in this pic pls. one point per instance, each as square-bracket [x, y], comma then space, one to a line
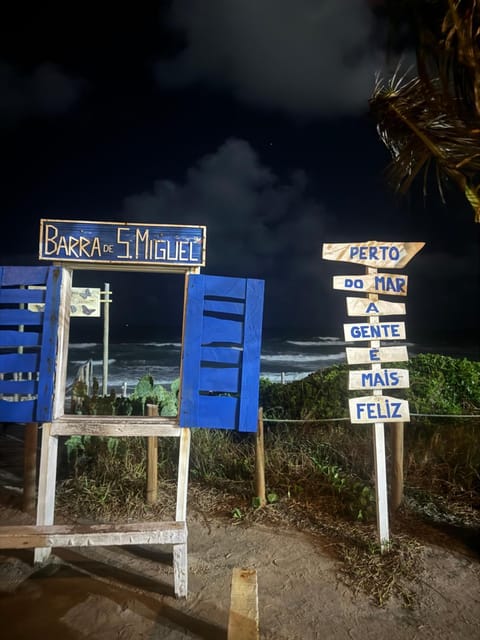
[319, 478]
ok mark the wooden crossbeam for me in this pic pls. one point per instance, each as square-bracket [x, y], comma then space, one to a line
[31, 536]
[84, 425]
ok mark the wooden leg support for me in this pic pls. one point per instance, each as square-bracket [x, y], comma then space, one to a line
[180, 559]
[46, 486]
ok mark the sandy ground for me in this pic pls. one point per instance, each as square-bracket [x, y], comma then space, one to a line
[126, 593]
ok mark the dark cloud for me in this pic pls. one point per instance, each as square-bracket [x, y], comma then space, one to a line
[257, 224]
[45, 91]
[308, 57]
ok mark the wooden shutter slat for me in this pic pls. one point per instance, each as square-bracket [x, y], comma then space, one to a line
[24, 387]
[19, 362]
[225, 306]
[18, 411]
[22, 296]
[218, 412]
[20, 316]
[221, 330]
[19, 338]
[219, 380]
[226, 355]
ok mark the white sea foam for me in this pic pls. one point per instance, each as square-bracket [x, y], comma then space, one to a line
[288, 357]
[84, 345]
[334, 342]
[175, 345]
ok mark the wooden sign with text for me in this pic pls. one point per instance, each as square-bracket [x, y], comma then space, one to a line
[376, 409]
[122, 243]
[378, 379]
[367, 307]
[380, 331]
[375, 355]
[370, 409]
[381, 255]
[381, 283]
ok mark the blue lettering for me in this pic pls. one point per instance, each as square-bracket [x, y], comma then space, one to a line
[372, 308]
[360, 409]
[396, 410]
[353, 251]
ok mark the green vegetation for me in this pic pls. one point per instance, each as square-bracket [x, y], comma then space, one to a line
[318, 469]
[320, 451]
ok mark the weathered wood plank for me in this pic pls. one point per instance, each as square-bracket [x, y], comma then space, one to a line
[243, 617]
[381, 484]
[47, 478]
[362, 331]
[381, 255]
[371, 409]
[84, 242]
[372, 355]
[367, 307]
[69, 425]
[380, 283]
[30, 536]
[152, 460]
[378, 379]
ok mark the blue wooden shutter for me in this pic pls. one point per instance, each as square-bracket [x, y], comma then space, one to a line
[221, 353]
[28, 342]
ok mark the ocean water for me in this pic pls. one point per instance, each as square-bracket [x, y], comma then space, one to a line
[283, 358]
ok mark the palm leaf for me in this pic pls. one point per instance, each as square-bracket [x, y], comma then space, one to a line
[433, 120]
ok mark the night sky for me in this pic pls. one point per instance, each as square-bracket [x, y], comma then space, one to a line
[248, 117]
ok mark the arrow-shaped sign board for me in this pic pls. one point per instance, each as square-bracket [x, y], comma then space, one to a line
[381, 283]
[367, 307]
[380, 331]
[376, 355]
[381, 255]
[378, 379]
[369, 409]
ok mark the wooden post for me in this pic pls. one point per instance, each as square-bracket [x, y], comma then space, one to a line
[30, 467]
[180, 559]
[379, 446]
[243, 617]
[46, 486]
[152, 460]
[260, 461]
[396, 486]
[381, 485]
[106, 338]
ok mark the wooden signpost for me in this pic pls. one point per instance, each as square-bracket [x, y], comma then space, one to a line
[376, 408]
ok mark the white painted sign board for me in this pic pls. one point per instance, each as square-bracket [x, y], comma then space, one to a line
[379, 331]
[381, 255]
[370, 409]
[378, 379]
[367, 307]
[372, 355]
[380, 283]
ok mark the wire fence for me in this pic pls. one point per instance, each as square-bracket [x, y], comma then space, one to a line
[415, 415]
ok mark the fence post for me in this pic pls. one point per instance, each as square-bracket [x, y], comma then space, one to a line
[260, 461]
[396, 441]
[152, 460]
[30, 467]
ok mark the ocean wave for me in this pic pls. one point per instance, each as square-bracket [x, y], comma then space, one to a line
[323, 342]
[83, 345]
[96, 363]
[288, 357]
[175, 345]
